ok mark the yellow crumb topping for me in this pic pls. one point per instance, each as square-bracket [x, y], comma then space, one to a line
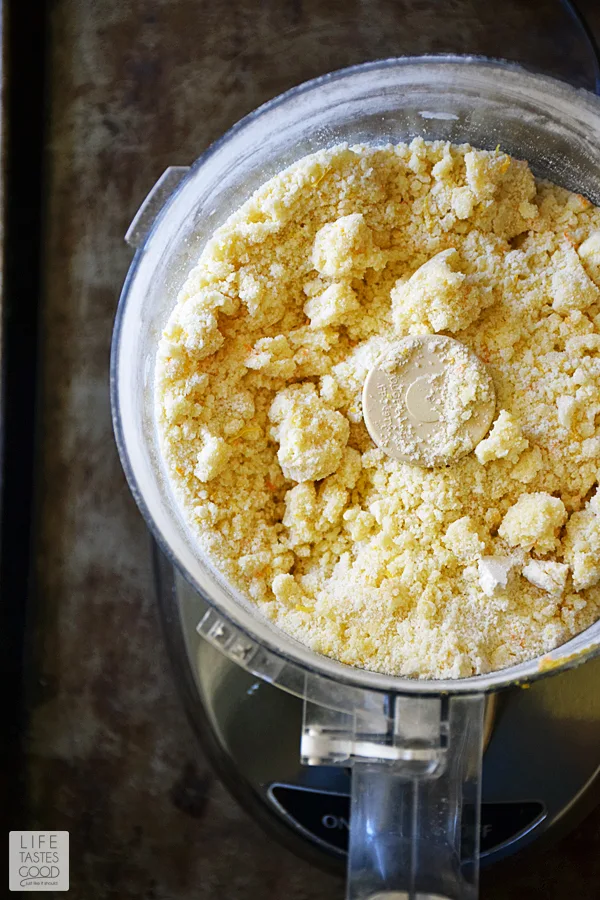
[438, 297]
[534, 521]
[311, 436]
[462, 538]
[548, 575]
[589, 254]
[505, 440]
[431, 572]
[582, 545]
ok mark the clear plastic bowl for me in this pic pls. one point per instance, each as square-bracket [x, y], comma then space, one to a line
[554, 126]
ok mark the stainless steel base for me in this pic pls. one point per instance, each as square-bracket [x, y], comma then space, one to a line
[540, 773]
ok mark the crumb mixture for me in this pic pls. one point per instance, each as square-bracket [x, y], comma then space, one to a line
[434, 572]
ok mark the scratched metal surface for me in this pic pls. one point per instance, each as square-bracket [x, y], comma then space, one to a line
[136, 85]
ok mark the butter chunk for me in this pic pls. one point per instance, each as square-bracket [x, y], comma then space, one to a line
[583, 344]
[484, 171]
[301, 514]
[273, 356]
[493, 573]
[571, 287]
[359, 522]
[581, 546]
[437, 297]
[332, 500]
[547, 575]
[212, 457]
[287, 590]
[334, 306]
[199, 332]
[463, 202]
[463, 540]
[311, 435]
[528, 466]
[346, 248]
[349, 469]
[505, 189]
[566, 406]
[206, 298]
[534, 521]
[589, 254]
[505, 440]
[331, 391]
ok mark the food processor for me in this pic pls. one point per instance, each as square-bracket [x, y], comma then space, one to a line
[384, 770]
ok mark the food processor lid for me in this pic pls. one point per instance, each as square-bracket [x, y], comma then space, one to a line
[555, 126]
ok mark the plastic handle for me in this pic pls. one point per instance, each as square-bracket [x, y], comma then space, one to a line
[152, 205]
[414, 827]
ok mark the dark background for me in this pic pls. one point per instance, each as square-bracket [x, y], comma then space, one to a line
[100, 96]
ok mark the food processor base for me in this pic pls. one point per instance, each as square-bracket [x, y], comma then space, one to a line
[541, 767]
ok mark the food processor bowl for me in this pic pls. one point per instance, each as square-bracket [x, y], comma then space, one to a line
[414, 744]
